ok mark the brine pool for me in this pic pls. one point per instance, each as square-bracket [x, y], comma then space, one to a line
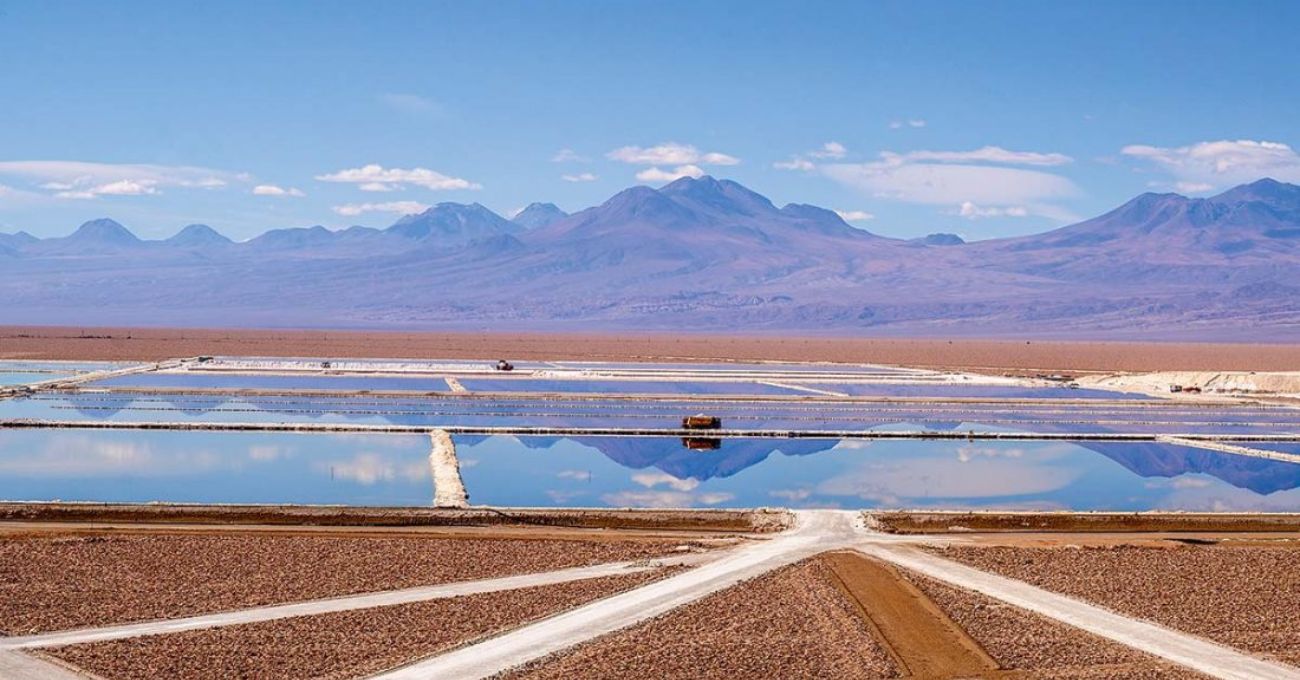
[393, 470]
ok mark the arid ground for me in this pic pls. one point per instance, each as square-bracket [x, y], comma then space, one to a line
[173, 596]
[151, 344]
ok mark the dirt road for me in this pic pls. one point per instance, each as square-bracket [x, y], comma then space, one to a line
[924, 642]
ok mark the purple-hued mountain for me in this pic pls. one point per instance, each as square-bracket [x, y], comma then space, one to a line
[198, 236]
[452, 224]
[538, 215]
[940, 240]
[696, 254]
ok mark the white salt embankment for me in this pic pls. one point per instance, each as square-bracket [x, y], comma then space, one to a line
[448, 488]
[1277, 383]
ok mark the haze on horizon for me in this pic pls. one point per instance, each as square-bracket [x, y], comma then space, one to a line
[982, 120]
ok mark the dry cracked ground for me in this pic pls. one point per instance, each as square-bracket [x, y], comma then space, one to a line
[837, 614]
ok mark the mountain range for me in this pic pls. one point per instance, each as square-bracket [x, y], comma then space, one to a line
[696, 254]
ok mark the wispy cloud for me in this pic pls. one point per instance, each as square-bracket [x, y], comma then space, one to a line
[401, 207]
[855, 215]
[974, 212]
[1204, 166]
[580, 177]
[87, 180]
[410, 103]
[569, 156]
[985, 154]
[670, 153]
[378, 178]
[828, 151]
[833, 150]
[955, 178]
[665, 499]
[277, 191]
[796, 163]
[122, 187]
[658, 175]
[371, 468]
[653, 479]
[910, 123]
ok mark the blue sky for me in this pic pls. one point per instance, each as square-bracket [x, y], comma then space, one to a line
[985, 119]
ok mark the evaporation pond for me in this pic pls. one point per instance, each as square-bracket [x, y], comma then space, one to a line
[268, 381]
[390, 469]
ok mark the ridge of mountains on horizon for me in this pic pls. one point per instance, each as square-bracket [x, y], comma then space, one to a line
[696, 254]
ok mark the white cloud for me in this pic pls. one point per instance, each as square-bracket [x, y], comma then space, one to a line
[855, 215]
[911, 123]
[941, 178]
[85, 180]
[791, 495]
[828, 151]
[985, 154]
[795, 163]
[576, 475]
[833, 150]
[410, 103]
[1192, 187]
[402, 207]
[1205, 165]
[906, 481]
[368, 468]
[580, 177]
[670, 153]
[377, 178]
[974, 212]
[657, 175]
[274, 190]
[568, 156]
[122, 187]
[653, 479]
[665, 499]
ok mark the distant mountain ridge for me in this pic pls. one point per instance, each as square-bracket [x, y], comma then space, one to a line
[537, 215]
[698, 253]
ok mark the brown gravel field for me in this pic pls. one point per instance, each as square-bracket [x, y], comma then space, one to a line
[1244, 597]
[338, 645]
[339, 516]
[53, 583]
[1020, 640]
[792, 623]
[1037, 523]
[152, 344]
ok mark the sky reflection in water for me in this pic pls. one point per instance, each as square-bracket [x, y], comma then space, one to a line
[354, 469]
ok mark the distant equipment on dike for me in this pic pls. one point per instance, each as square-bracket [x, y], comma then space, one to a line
[701, 422]
[503, 365]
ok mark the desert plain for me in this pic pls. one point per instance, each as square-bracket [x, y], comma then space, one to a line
[127, 590]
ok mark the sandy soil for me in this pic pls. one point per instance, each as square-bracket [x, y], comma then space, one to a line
[1019, 640]
[1241, 596]
[956, 522]
[154, 344]
[791, 623]
[60, 582]
[340, 645]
